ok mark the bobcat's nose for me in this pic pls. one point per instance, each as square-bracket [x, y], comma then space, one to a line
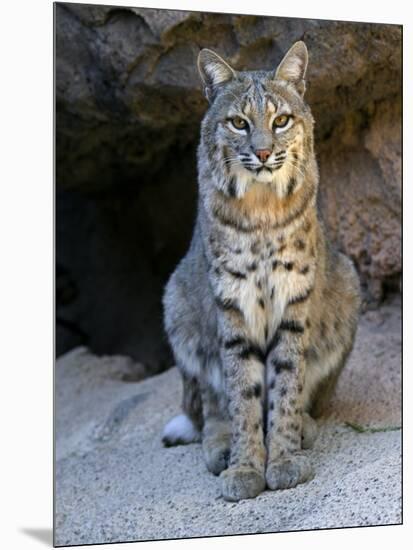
[263, 154]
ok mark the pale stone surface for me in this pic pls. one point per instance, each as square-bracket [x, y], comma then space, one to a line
[115, 481]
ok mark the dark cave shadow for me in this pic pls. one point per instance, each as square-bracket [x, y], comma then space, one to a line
[43, 535]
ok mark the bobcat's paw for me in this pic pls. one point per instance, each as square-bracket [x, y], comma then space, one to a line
[288, 472]
[216, 453]
[242, 482]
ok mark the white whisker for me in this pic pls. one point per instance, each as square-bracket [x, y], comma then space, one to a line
[290, 163]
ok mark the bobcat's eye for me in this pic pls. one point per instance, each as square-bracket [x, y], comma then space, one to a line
[281, 121]
[239, 123]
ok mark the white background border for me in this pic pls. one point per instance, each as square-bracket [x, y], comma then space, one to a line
[26, 283]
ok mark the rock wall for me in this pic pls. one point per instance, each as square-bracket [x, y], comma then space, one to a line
[129, 104]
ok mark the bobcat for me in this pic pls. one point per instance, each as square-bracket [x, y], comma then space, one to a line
[261, 313]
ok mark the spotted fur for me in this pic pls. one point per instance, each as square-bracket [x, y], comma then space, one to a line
[261, 312]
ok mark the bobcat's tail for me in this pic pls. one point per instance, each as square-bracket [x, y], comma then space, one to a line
[180, 430]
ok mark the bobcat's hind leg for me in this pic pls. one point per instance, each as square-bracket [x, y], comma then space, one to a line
[216, 435]
[309, 432]
[324, 391]
[186, 427]
[333, 334]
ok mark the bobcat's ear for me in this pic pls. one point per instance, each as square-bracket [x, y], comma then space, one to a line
[214, 71]
[293, 66]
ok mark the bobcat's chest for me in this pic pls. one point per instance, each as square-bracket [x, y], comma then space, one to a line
[267, 283]
[263, 299]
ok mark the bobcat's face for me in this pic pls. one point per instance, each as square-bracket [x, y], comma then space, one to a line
[262, 132]
[258, 126]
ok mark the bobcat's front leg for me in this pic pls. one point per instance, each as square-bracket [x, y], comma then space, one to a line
[287, 466]
[244, 377]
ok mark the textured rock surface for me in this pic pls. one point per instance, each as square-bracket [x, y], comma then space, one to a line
[129, 103]
[115, 481]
